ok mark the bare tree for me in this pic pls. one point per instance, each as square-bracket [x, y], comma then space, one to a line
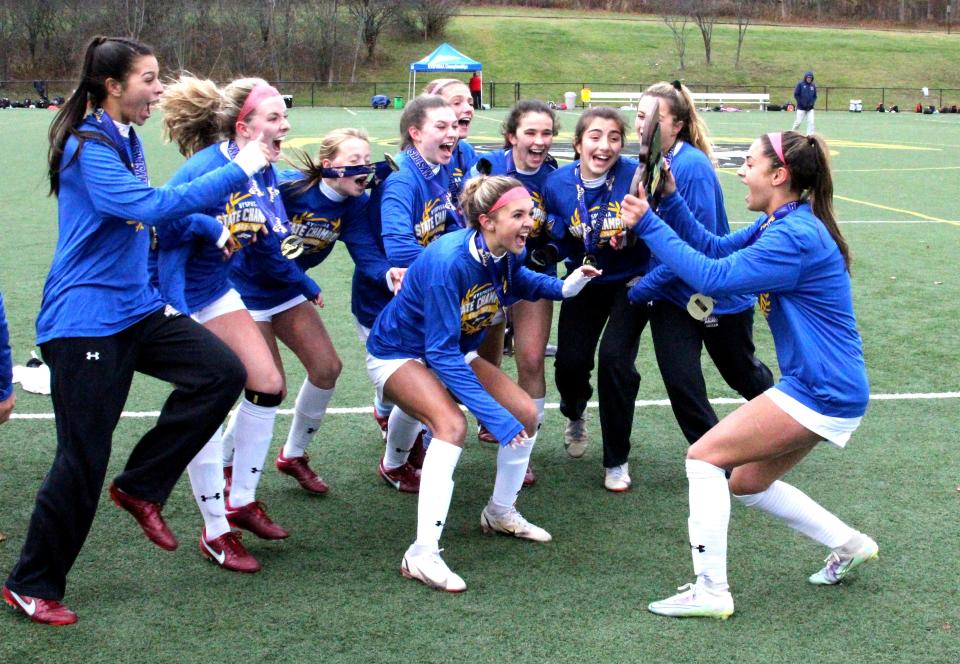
[372, 17]
[678, 25]
[133, 15]
[744, 12]
[704, 13]
[39, 19]
[434, 15]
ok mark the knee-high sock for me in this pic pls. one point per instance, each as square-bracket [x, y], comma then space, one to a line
[402, 432]
[800, 512]
[511, 467]
[228, 438]
[539, 403]
[206, 480]
[436, 490]
[253, 430]
[382, 406]
[308, 413]
[709, 518]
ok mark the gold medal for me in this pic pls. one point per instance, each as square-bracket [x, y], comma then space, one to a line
[292, 246]
[590, 260]
[700, 306]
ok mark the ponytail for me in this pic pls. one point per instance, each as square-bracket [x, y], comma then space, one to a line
[192, 114]
[312, 169]
[103, 58]
[682, 108]
[807, 159]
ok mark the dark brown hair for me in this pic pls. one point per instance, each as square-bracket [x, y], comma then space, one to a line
[589, 116]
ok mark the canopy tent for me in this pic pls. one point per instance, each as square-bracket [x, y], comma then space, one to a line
[445, 58]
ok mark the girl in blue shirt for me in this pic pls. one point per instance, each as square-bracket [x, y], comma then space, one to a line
[423, 347]
[101, 320]
[678, 338]
[210, 126]
[528, 132]
[583, 206]
[795, 258]
[324, 203]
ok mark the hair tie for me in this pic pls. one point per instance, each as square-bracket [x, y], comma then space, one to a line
[259, 92]
[776, 140]
[509, 196]
[677, 85]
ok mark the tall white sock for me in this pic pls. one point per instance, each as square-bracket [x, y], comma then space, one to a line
[402, 432]
[228, 439]
[206, 480]
[253, 431]
[539, 403]
[436, 490]
[800, 512]
[511, 467]
[311, 406]
[382, 406]
[709, 517]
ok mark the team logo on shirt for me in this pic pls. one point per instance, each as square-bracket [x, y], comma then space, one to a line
[432, 222]
[137, 225]
[317, 233]
[612, 224]
[241, 214]
[764, 303]
[478, 307]
[539, 214]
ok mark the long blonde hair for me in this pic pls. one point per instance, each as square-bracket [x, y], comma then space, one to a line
[682, 108]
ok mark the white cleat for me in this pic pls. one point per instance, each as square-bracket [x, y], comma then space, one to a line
[512, 523]
[840, 563]
[617, 479]
[429, 569]
[695, 601]
[575, 437]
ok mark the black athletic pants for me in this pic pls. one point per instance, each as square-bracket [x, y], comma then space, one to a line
[90, 379]
[601, 308]
[678, 341]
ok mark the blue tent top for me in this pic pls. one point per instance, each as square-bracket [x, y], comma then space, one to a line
[446, 58]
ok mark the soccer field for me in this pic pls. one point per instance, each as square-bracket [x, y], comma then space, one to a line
[333, 592]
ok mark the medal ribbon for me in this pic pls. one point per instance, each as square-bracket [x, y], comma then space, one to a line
[132, 150]
[267, 198]
[435, 189]
[779, 213]
[486, 257]
[591, 230]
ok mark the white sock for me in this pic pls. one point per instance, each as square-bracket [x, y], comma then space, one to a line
[709, 517]
[436, 490]
[539, 403]
[206, 480]
[228, 438]
[802, 513]
[511, 467]
[402, 432]
[381, 406]
[253, 431]
[311, 406]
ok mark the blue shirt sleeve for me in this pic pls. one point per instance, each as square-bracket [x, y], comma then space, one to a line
[676, 212]
[535, 286]
[362, 245]
[272, 262]
[6, 356]
[397, 218]
[651, 284]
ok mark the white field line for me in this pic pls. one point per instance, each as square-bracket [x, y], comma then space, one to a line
[867, 221]
[365, 410]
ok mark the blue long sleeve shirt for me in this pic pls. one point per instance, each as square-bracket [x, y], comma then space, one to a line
[6, 357]
[411, 217]
[99, 283]
[804, 292]
[447, 301]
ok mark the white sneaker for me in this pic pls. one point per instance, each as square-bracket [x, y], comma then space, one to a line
[512, 523]
[695, 601]
[617, 479]
[840, 563]
[575, 438]
[430, 569]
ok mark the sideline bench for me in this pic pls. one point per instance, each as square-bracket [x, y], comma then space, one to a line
[701, 99]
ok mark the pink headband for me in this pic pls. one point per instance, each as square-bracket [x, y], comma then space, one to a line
[259, 92]
[509, 196]
[776, 140]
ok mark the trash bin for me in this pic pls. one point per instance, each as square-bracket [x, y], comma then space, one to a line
[570, 99]
[398, 102]
[856, 105]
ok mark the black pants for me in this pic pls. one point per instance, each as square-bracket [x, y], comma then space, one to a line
[476, 99]
[90, 379]
[601, 308]
[678, 341]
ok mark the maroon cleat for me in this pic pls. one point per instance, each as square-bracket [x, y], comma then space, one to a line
[382, 423]
[147, 515]
[529, 479]
[417, 452]
[252, 517]
[299, 469]
[227, 481]
[485, 436]
[228, 552]
[406, 478]
[39, 610]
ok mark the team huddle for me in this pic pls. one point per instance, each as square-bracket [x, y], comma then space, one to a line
[197, 281]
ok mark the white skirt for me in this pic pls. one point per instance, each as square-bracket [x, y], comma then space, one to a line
[836, 430]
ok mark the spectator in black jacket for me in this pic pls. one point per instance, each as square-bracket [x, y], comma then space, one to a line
[806, 95]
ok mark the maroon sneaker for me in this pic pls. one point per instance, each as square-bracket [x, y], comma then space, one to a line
[227, 481]
[485, 436]
[299, 469]
[147, 515]
[252, 517]
[228, 552]
[406, 478]
[417, 452]
[382, 423]
[39, 610]
[529, 479]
